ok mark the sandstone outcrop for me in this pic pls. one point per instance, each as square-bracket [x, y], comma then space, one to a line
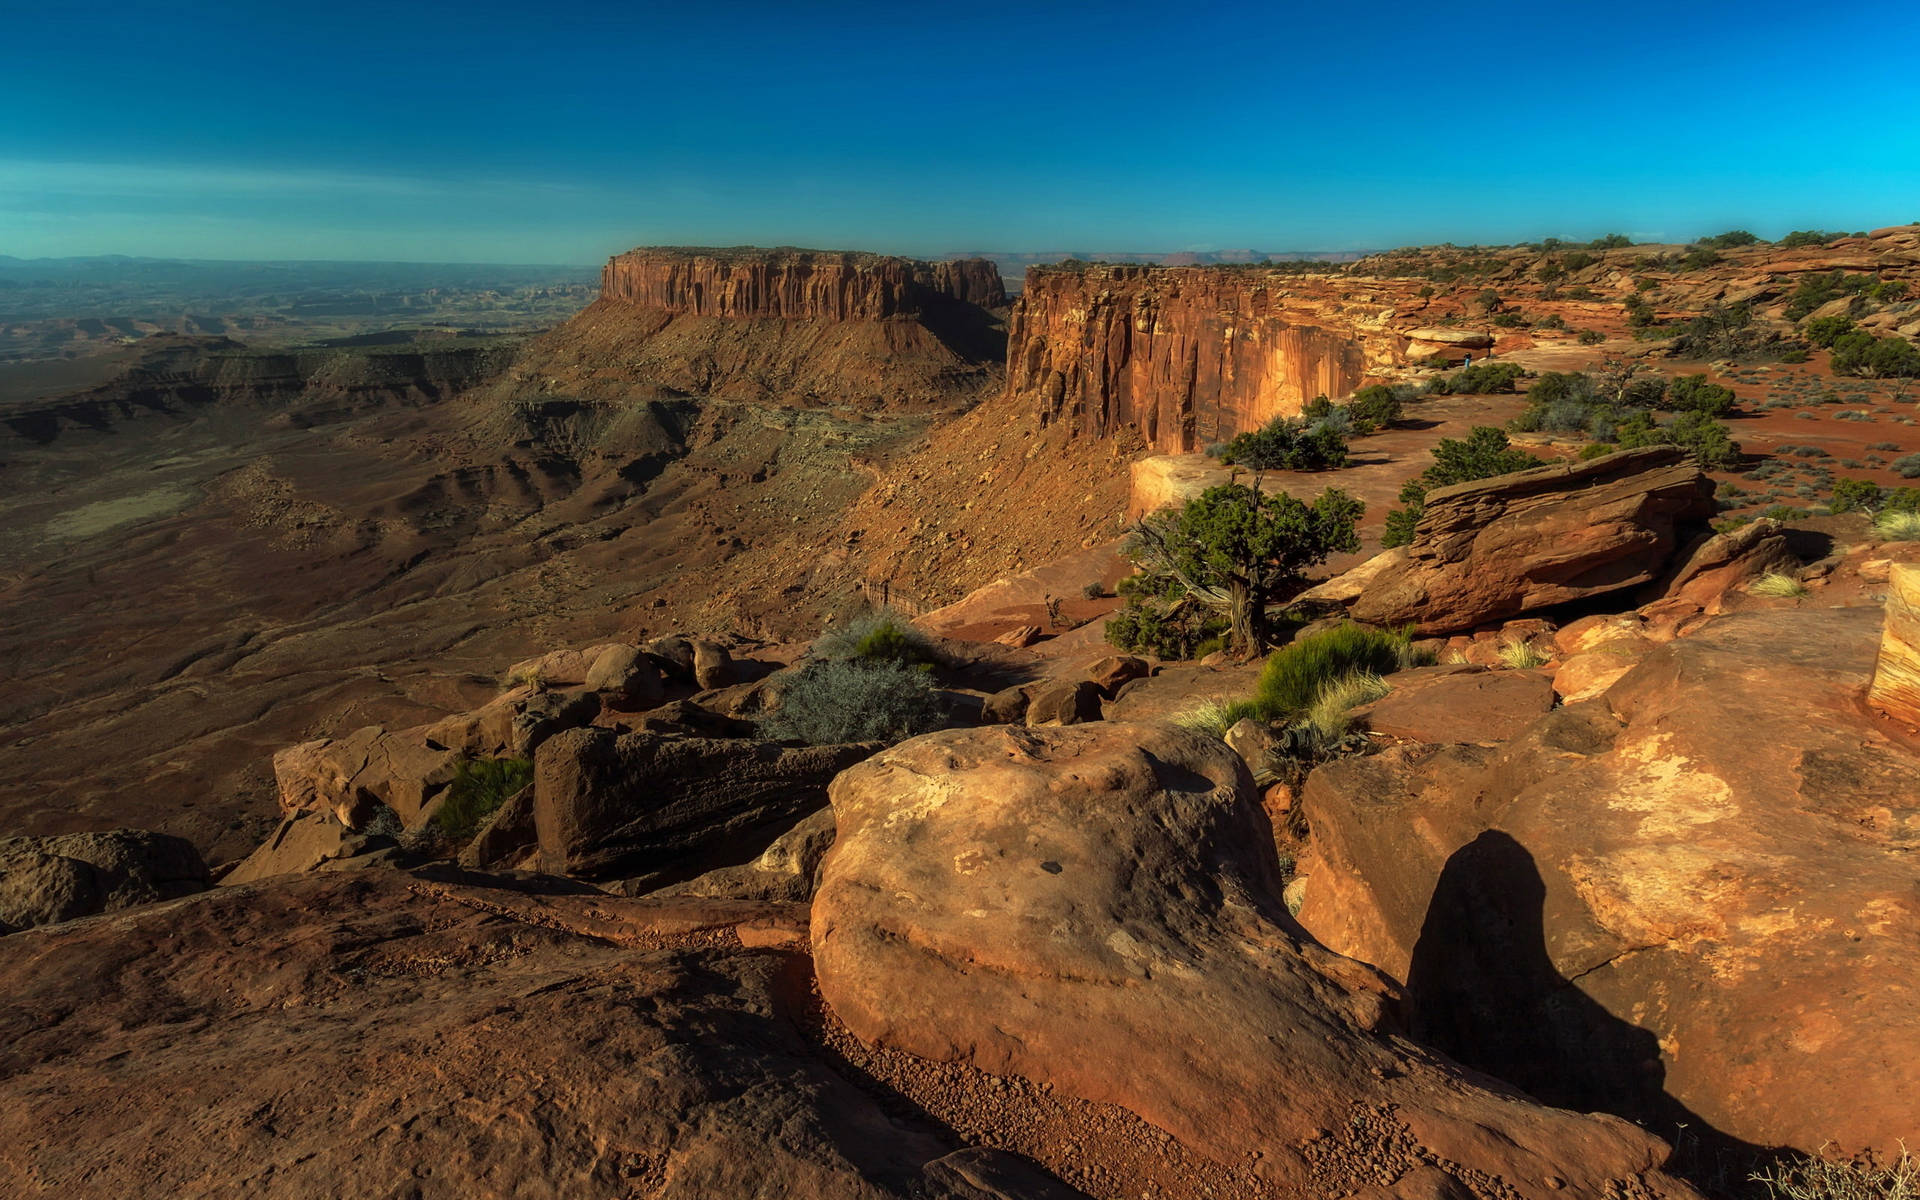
[309, 840]
[1458, 704]
[1495, 548]
[793, 284]
[1896, 677]
[383, 1034]
[45, 880]
[1688, 901]
[1187, 356]
[611, 806]
[1096, 908]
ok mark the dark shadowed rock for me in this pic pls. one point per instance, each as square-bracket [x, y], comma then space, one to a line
[1096, 908]
[1007, 706]
[385, 1035]
[1496, 548]
[50, 879]
[1063, 702]
[1115, 671]
[608, 806]
[1689, 901]
[506, 836]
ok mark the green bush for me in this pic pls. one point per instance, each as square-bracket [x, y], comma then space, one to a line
[1709, 442]
[1907, 466]
[1902, 500]
[1850, 495]
[1593, 450]
[1478, 380]
[1295, 674]
[1612, 241]
[1816, 290]
[1827, 330]
[830, 701]
[1692, 393]
[479, 787]
[1591, 337]
[1482, 454]
[1288, 444]
[1378, 405]
[1730, 239]
[1807, 237]
[879, 636]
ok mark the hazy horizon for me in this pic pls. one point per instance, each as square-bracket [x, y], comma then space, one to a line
[363, 134]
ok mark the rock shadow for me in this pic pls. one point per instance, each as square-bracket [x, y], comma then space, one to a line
[1482, 989]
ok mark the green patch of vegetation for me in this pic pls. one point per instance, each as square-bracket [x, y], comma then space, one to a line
[1706, 440]
[1807, 237]
[1519, 654]
[1591, 337]
[1898, 526]
[1480, 379]
[1294, 675]
[1817, 290]
[1692, 393]
[878, 636]
[1289, 444]
[1230, 552]
[1907, 466]
[479, 787]
[834, 700]
[1778, 585]
[1330, 716]
[1856, 495]
[1482, 454]
[1860, 353]
[1729, 240]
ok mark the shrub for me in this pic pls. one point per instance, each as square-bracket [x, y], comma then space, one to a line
[1850, 495]
[878, 636]
[1816, 290]
[1612, 241]
[1907, 466]
[1478, 380]
[1806, 237]
[1722, 331]
[1482, 454]
[1378, 405]
[830, 701]
[1730, 239]
[1519, 654]
[1904, 499]
[1229, 550]
[1708, 441]
[1288, 444]
[1094, 591]
[1822, 1179]
[479, 787]
[1329, 716]
[1593, 450]
[1903, 526]
[1827, 330]
[1692, 393]
[1591, 337]
[1294, 675]
[1778, 585]
[1551, 321]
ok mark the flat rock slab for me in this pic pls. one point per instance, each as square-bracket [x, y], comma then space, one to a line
[1446, 704]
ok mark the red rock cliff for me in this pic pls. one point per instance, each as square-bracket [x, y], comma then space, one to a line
[805, 284]
[1189, 356]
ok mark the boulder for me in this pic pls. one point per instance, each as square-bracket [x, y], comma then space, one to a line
[1063, 702]
[558, 668]
[1115, 671]
[506, 837]
[1343, 589]
[713, 667]
[1020, 636]
[1690, 902]
[309, 841]
[1007, 706]
[1097, 909]
[673, 654]
[512, 724]
[1465, 339]
[1896, 676]
[384, 1034]
[1496, 548]
[1458, 704]
[45, 880]
[785, 871]
[351, 777]
[626, 675]
[1715, 564]
[608, 806]
[1589, 674]
[686, 716]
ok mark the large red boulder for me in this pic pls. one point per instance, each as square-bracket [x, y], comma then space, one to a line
[1496, 548]
[1690, 900]
[1096, 908]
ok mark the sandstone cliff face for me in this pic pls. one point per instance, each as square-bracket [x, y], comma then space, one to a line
[798, 284]
[1188, 356]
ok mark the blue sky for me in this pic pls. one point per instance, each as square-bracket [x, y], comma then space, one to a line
[521, 133]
